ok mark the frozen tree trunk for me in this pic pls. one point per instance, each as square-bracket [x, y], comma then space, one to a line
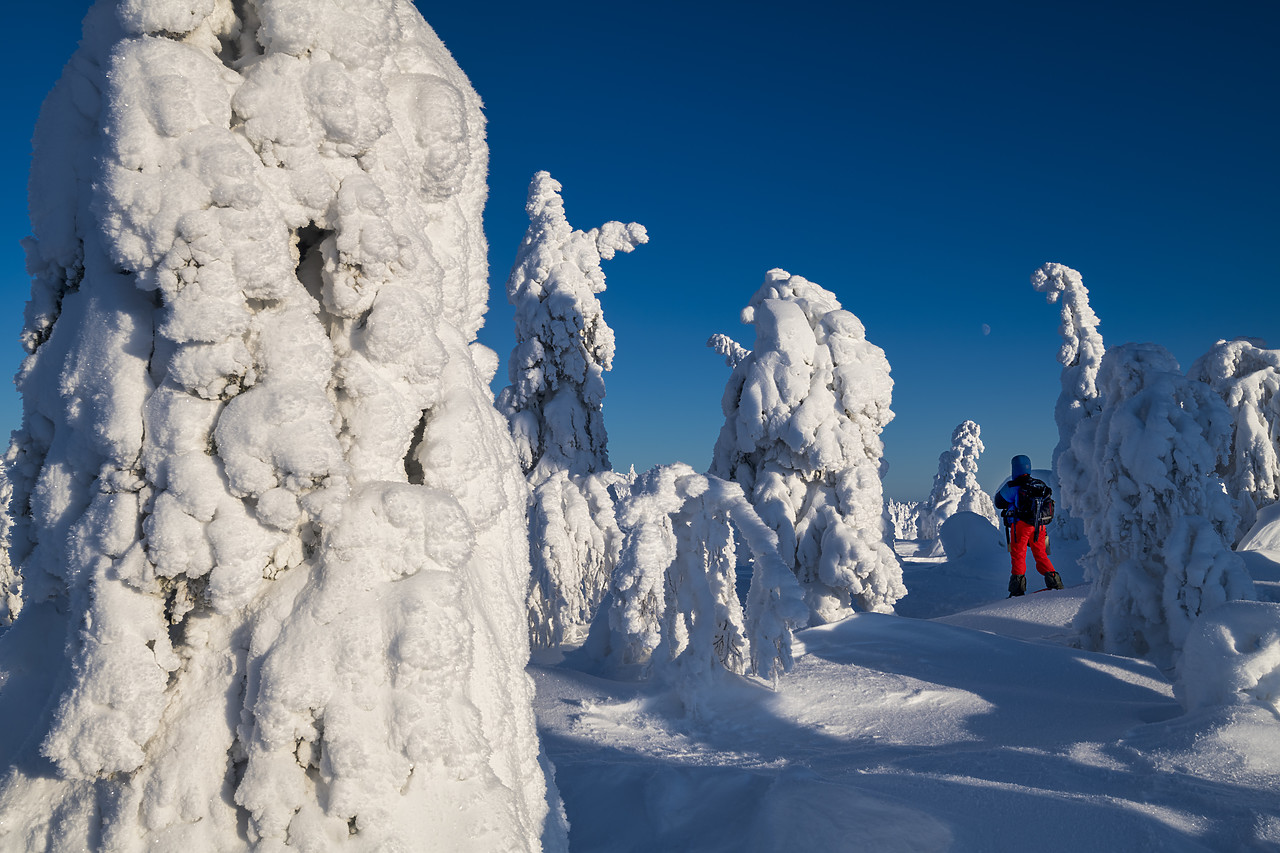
[266, 513]
[555, 407]
[803, 415]
[955, 486]
[1247, 376]
[1081, 357]
[1157, 517]
[673, 611]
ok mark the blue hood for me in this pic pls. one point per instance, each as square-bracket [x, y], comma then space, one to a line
[1021, 465]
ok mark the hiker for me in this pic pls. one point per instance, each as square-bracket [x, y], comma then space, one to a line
[1027, 508]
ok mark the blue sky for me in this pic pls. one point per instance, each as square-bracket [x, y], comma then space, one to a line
[918, 159]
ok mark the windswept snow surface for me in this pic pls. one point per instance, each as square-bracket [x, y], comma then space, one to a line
[980, 730]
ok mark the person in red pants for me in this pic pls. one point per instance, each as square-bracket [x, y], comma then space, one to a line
[1018, 501]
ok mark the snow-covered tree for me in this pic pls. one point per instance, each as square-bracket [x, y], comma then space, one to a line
[1247, 376]
[1158, 518]
[555, 404]
[1081, 356]
[563, 345]
[803, 415]
[904, 518]
[955, 486]
[264, 504]
[673, 608]
[574, 544]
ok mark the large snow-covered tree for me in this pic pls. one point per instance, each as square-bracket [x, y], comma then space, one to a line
[1157, 517]
[955, 486]
[270, 525]
[1081, 356]
[803, 415]
[555, 407]
[1246, 374]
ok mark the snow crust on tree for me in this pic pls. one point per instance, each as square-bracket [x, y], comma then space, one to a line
[1157, 517]
[803, 415]
[262, 497]
[1247, 376]
[955, 486]
[554, 406]
[904, 518]
[673, 611]
[10, 580]
[1081, 358]
[1232, 657]
[575, 543]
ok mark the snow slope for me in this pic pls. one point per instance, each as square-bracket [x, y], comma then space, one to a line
[977, 730]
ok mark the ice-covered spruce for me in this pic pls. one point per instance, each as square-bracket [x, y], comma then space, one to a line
[1246, 374]
[955, 486]
[1081, 357]
[269, 523]
[555, 408]
[1158, 518]
[803, 415]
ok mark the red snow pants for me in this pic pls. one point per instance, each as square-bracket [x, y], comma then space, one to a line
[1020, 538]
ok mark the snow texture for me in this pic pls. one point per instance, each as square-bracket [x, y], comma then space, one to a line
[1158, 519]
[554, 406]
[1265, 535]
[673, 611]
[803, 415]
[955, 486]
[1081, 357]
[1232, 657]
[265, 509]
[1247, 376]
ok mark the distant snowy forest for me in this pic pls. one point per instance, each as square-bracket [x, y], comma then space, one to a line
[277, 557]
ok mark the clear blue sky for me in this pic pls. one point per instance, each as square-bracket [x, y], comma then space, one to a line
[919, 159]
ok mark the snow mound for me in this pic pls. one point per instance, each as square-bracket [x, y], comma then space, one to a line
[1232, 656]
[1265, 533]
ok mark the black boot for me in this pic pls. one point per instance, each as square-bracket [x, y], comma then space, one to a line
[1017, 585]
[1053, 581]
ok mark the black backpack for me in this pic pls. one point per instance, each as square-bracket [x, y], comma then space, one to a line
[1035, 504]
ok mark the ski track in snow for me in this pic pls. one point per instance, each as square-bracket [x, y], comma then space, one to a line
[978, 730]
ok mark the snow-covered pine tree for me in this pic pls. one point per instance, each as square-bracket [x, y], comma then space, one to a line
[1246, 374]
[1081, 356]
[955, 486]
[1158, 519]
[673, 609]
[270, 524]
[803, 415]
[555, 405]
